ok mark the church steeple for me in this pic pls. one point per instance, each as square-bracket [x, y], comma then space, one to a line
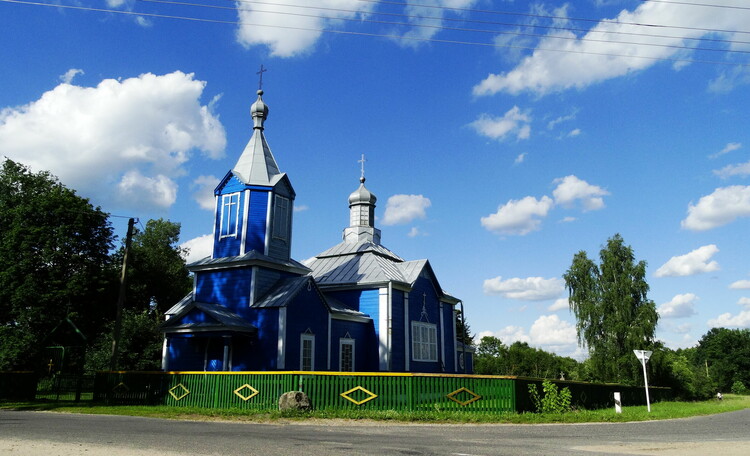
[362, 214]
[254, 200]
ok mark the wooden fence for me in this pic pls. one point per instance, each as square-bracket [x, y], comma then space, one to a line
[336, 390]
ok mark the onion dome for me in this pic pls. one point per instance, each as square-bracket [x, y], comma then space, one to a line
[362, 195]
[259, 111]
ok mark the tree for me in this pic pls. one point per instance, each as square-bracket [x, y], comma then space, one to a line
[140, 344]
[726, 353]
[463, 330]
[157, 276]
[54, 262]
[495, 358]
[613, 313]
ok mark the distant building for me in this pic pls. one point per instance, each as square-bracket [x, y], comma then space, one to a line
[354, 307]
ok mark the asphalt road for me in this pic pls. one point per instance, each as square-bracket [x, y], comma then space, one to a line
[50, 434]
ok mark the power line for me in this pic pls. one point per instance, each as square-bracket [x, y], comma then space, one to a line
[377, 35]
[462, 20]
[707, 5]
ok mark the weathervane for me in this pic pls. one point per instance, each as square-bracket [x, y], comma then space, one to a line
[260, 82]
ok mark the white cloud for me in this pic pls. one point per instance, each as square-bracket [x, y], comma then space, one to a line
[300, 208]
[120, 140]
[426, 16]
[729, 80]
[553, 123]
[727, 320]
[568, 220]
[69, 75]
[740, 169]
[681, 306]
[563, 60]
[199, 247]
[691, 263]
[511, 334]
[520, 158]
[513, 123]
[740, 285]
[402, 209]
[204, 191]
[560, 304]
[571, 189]
[744, 302]
[722, 206]
[550, 331]
[528, 289]
[415, 231]
[518, 216]
[575, 132]
[290, 30]
[731, 147]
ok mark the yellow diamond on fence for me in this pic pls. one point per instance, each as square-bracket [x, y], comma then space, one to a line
[369, 395]
[245, 397]
[473, 396]
[180, 394]
[120, 388]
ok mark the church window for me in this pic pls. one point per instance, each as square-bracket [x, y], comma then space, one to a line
[346, 355]
[230, 205]
[307, 352]
[424, 341]
[281, 217]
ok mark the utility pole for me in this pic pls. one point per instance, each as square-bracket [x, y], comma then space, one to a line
[121, 299]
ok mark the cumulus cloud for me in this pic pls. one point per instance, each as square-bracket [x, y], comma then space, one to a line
[681, 306]
[691, 263]
[518, 216]
[727, 320]
[721, 207]
[744, 302]
[562, 60]
[402, 209]
[740, 169]
[203, 193]
[121, 142]
[740, 285]
[571, 189]
[289, 29]
[528, 289]
[559, 304]
[728, 148]
[513, 123]
[199, 247]
[550, 331]
[69, 75]
[415, 231]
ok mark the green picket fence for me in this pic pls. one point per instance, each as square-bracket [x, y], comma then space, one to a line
[261, 390]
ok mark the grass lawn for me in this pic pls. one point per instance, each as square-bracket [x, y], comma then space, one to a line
[659, 411]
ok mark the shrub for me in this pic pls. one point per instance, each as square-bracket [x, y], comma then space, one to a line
[554, 400]
[739, 388]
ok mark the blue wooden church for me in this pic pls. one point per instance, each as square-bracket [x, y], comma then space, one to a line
[354, 307]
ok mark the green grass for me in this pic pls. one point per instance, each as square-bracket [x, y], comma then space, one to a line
[659, 411]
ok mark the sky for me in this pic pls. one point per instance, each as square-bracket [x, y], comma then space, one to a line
[500, 137]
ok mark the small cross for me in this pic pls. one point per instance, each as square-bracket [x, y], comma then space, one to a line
[362, 162]
[262, 70]
[50, 365]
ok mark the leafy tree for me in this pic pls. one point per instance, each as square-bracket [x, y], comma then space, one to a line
[54, 262]
[491, 357]
[140, 343]
[495, 358]
[675, 369]
[157, 276]
[463, 330]
[727, 354]
[614, 315]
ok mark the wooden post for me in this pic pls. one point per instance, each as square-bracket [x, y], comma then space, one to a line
[121, 298]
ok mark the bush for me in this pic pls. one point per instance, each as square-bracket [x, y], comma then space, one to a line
[554, 399]
[739, 388]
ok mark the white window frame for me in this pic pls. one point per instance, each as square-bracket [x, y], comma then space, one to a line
[424, 341]
[227, 207]
[351, 342]
[302, 339]
[281, 217]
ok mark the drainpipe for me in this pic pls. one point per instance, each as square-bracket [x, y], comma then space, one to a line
[463, 334]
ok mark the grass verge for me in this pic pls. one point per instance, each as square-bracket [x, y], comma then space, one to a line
[659, 411]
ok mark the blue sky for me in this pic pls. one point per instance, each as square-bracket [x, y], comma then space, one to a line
[501, 137]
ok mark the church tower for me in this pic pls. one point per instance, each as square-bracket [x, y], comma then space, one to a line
[254, 200]
[362, 215]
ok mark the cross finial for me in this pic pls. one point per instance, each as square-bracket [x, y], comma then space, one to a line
[362, 161]
[260, 82]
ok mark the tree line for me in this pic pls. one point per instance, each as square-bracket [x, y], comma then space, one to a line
[614, 316]
[59, 276]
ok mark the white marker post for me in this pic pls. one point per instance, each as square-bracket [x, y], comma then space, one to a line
[618, 403]
[643, 356]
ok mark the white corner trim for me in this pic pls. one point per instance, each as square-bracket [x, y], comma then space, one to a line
[383, 335]
[269, 227]
[245, 218]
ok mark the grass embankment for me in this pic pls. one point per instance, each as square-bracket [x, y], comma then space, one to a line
[659, 411]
